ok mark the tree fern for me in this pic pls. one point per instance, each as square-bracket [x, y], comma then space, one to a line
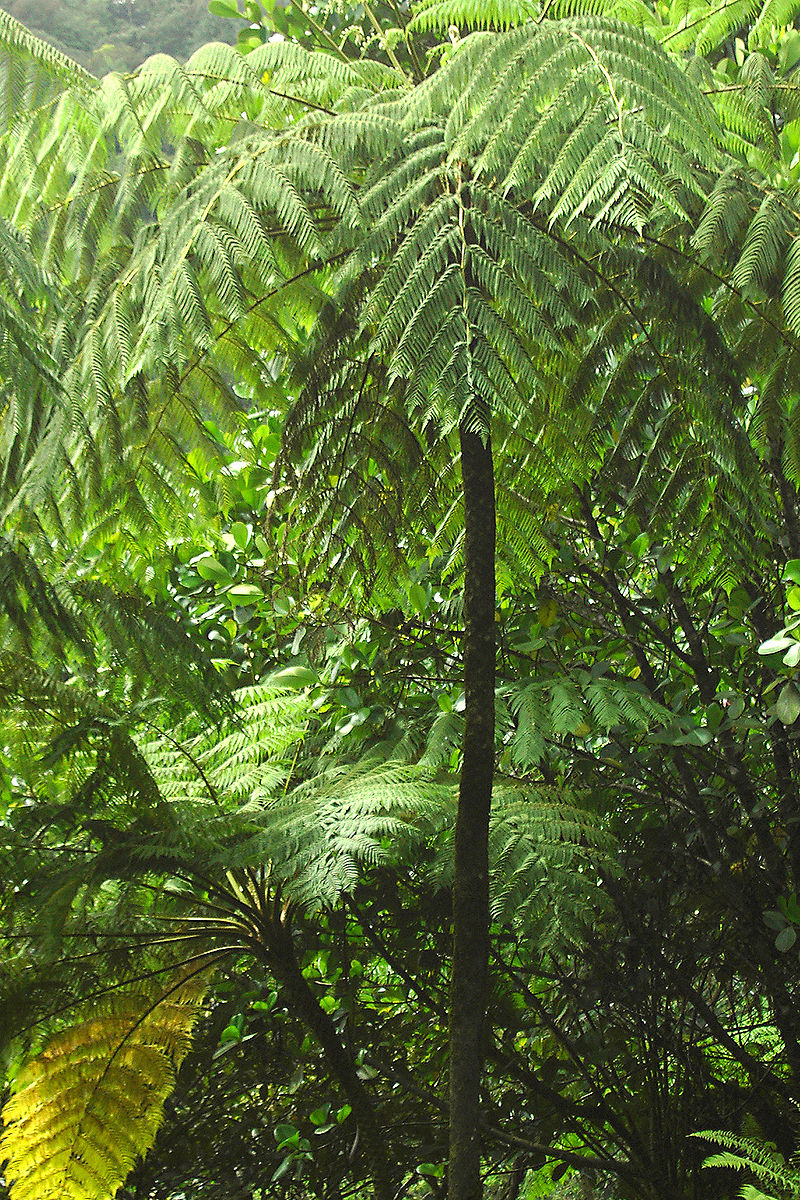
[259, 201]
[441, 15]
[173, 850]
[32, 72]
[458, 248]
[546, 849]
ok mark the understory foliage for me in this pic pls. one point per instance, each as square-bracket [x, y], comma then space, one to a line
[248, 304]
[179, 852]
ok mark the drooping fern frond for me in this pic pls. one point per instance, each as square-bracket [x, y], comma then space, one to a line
[239, 164]
[441, 15]
[50, 619]
[31, 402]
[580, 706]
[546, 849]
[242, 761]
[704, 25]
[319, 836]
[32, 71]
[325, 831]
[220, 803]
[89, 1104]
[553, 101]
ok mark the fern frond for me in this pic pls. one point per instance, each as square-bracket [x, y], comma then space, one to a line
[513, 97]
[90, 1103]
[437, 16]
[579, 706]
[756, 1157]
[32, 72]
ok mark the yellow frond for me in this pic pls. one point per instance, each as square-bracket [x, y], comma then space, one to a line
[90, 1103]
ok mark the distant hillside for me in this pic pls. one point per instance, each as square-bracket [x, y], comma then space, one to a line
[109, 35]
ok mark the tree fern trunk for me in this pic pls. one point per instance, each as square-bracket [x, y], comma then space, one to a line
[370, 1143]
[469, 983]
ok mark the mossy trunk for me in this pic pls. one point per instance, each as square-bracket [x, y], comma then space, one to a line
[470, 970]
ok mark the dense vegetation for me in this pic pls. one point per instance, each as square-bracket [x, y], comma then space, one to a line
[400, 606]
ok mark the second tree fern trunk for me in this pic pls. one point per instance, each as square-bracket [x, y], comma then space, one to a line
[469, 983]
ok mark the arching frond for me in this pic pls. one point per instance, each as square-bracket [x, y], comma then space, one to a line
[757, 1159]
[89, 1104]
[32, 72]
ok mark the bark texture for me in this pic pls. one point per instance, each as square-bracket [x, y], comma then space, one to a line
[469, 983]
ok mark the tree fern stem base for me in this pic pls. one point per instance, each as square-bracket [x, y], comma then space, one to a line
[469, 982]
[305, 1005]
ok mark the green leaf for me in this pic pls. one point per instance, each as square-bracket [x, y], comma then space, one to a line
[714, 715]
[434, 1169]
[418, 597]
[295, 676]
[223, 8]
[281, 1170]
[265, 1005]
[246, 591]
[786, 938]
[211, 568]
[774, 644]
[791, 571]
[789, 51]
[787, 706]
[240, 534]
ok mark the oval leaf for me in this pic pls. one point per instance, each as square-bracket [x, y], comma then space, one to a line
[787, 707]
[786, 938]
[211, 568]
[774, 644]
[246, 591]
[240, 534]
[223, 8]
[296, 676]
